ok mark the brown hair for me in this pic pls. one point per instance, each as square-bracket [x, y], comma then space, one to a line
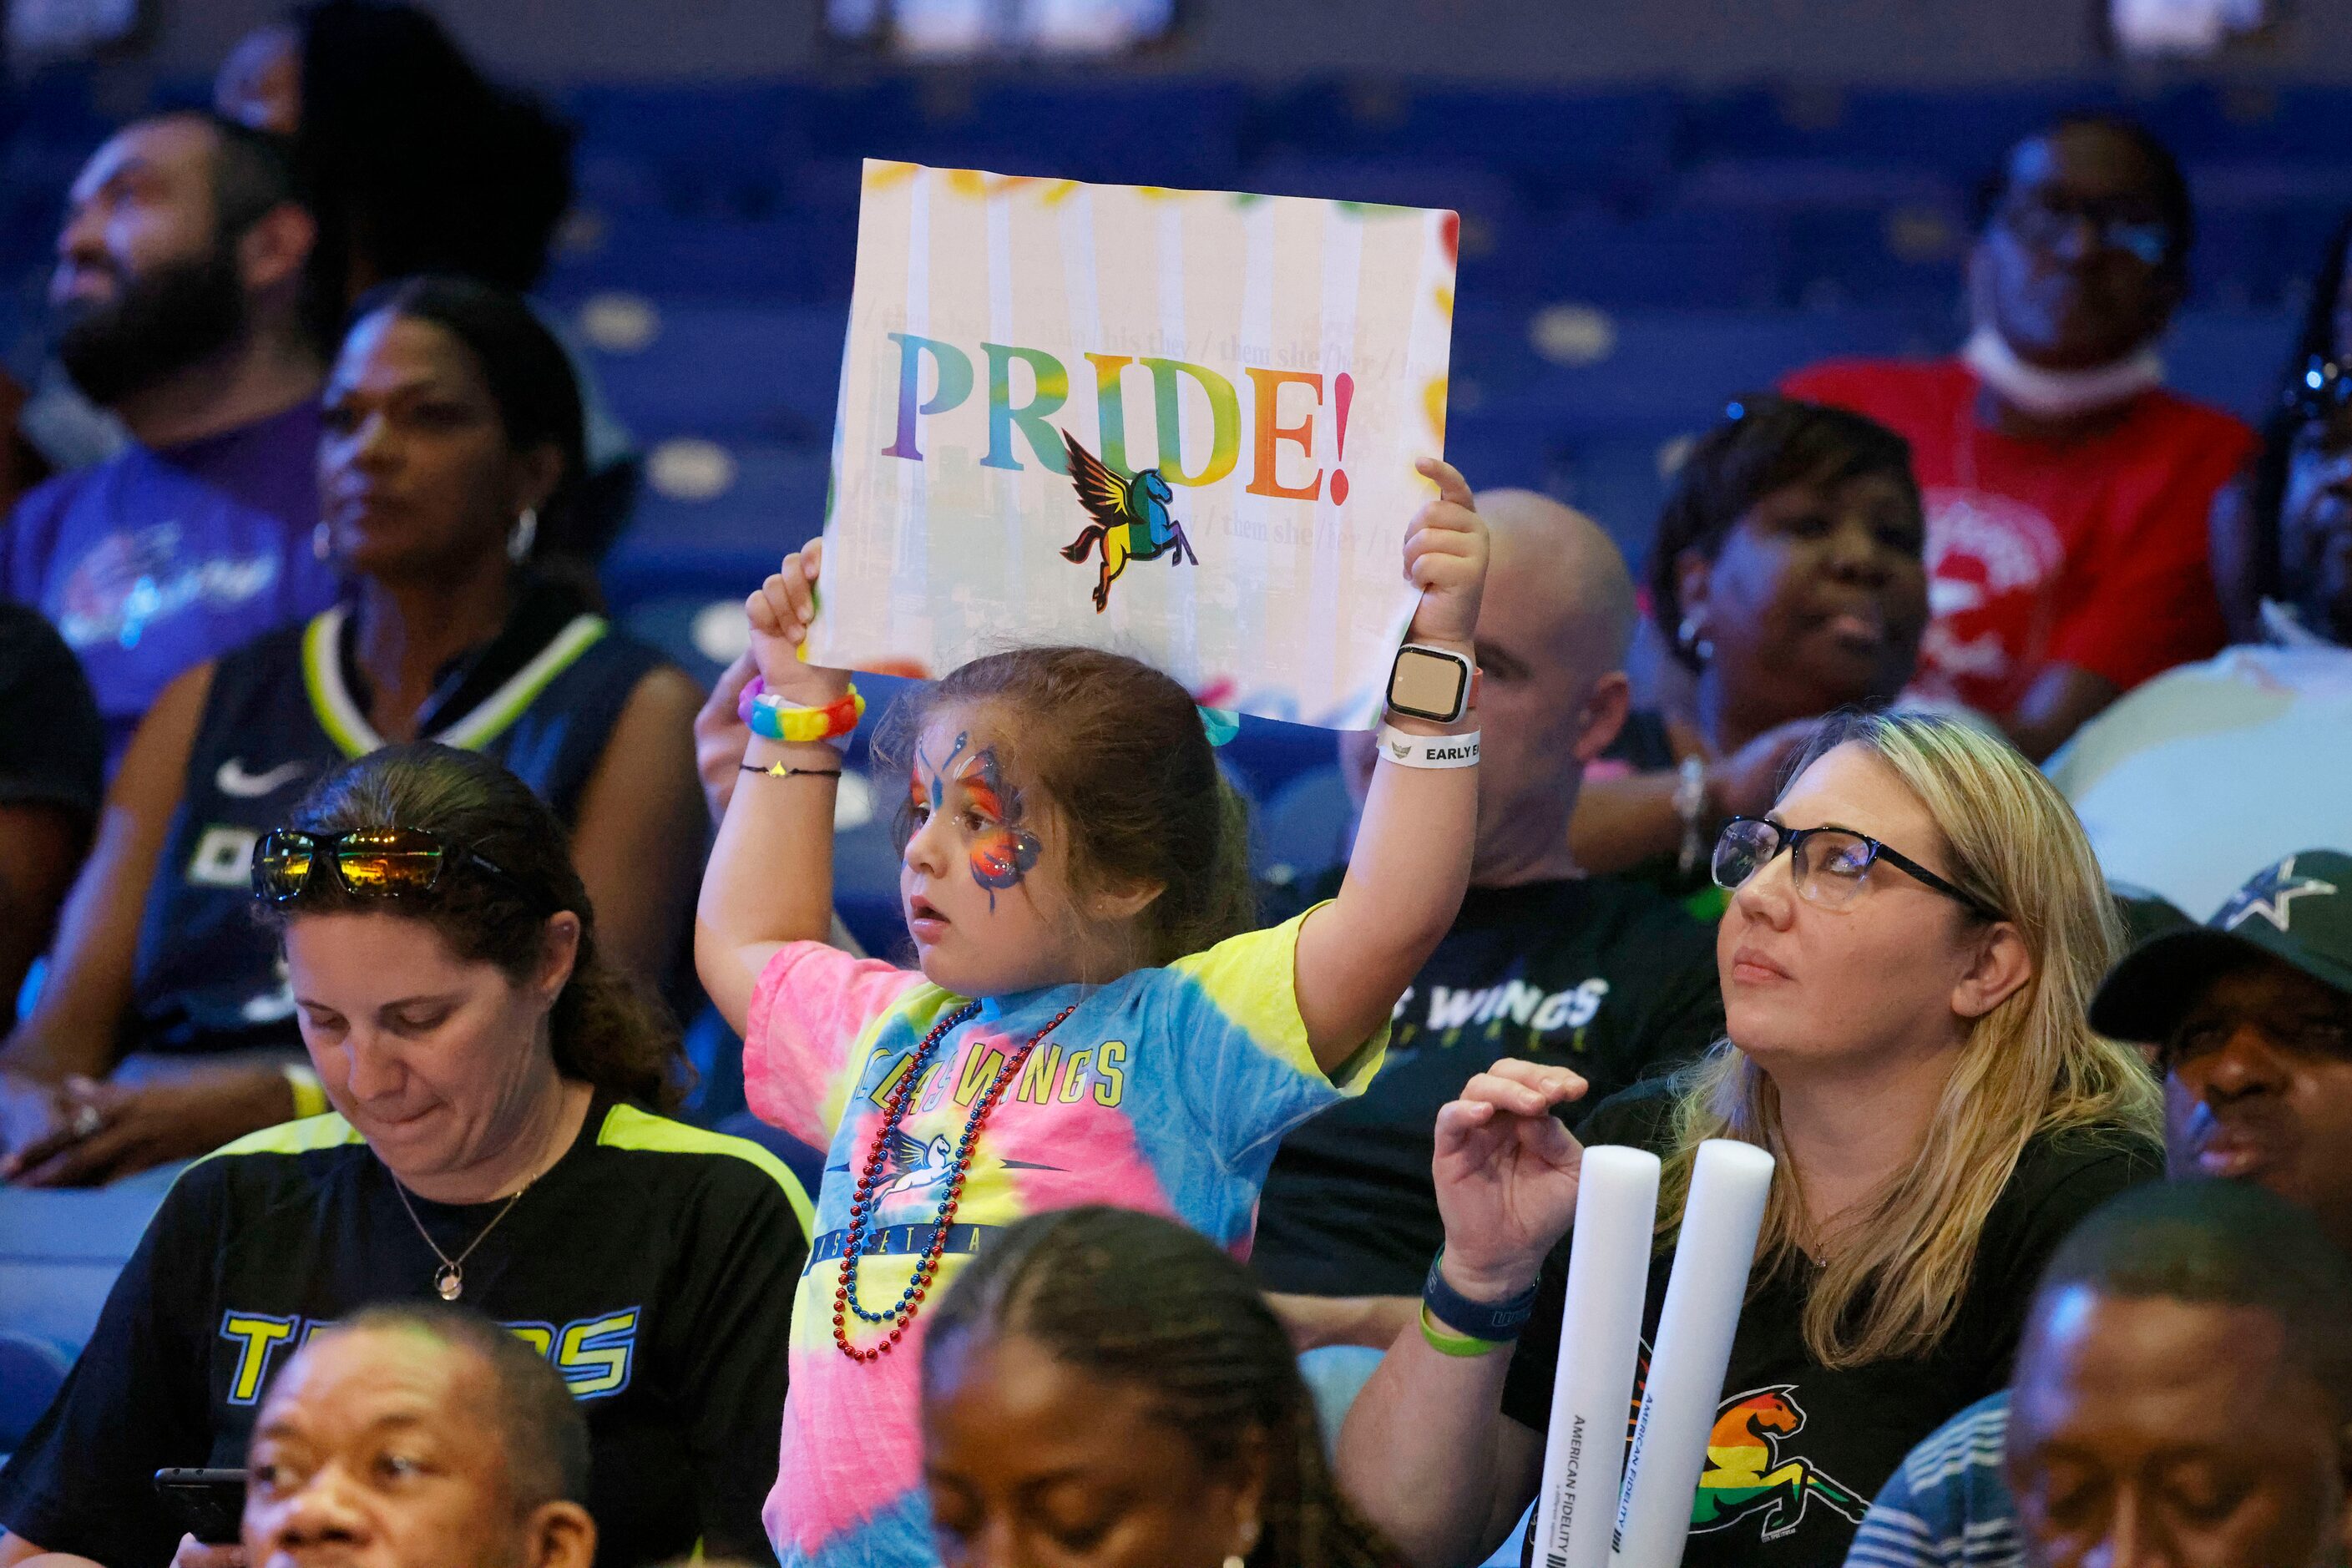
[1141, 1301]
[603, 1029]
[1119, 751]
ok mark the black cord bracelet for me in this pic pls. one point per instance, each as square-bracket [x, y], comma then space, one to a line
[778, 771]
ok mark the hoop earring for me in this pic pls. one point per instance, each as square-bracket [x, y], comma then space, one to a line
[1689, 634]
[322, 541]
[524, 533]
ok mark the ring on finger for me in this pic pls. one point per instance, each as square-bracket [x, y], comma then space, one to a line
[86, 1120]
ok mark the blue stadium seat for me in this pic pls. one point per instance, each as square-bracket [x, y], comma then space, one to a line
[1617, 144]
[2263, 227]
[719, 533]
[1486, 200]
[59, 1252]
[1305, 829]
[2233, 358]
[1854, 231]
[1962, 132]
[1496, 453]
[1620, 483]
[713, 148]
[723, 370]
[2250, 121]
[32, 1370]
[1653, 372]
[1677, 256]
[795, 257]
[1159, 131]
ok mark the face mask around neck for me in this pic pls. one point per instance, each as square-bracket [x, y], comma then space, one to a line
[2058, 394]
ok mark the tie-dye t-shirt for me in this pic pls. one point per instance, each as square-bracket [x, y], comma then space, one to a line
[1166, 1090]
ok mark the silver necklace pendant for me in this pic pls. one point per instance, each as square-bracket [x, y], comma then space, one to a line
[450, 1282]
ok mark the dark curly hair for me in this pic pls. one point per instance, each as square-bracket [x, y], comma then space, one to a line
[605, 1030]
[1765, 443]
[1119, 751]
[1143, 1301]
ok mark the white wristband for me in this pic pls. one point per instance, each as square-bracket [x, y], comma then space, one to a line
[1428, 750]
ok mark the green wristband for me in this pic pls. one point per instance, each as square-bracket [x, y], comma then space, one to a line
[1463, 1345]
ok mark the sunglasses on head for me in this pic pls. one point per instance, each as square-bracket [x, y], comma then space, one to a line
[368, 862]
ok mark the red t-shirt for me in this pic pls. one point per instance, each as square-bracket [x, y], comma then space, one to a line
[2089, 552]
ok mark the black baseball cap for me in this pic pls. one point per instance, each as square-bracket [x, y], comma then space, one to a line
[2298, 911]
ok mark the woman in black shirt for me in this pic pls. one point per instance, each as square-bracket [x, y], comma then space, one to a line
[495, 1140]
[1905, 997]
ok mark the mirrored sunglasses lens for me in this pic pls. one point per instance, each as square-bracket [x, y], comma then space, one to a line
[282, 869]
[388, 863]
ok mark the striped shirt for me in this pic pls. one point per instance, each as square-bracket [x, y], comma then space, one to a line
[1946, 1505]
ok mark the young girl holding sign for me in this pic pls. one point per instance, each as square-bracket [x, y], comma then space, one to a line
[1091, 1021]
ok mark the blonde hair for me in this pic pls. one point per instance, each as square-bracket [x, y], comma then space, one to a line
[2029, 1065]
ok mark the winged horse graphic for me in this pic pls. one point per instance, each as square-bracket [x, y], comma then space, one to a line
[1131, 520]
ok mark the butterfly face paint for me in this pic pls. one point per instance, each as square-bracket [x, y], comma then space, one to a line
[1001, 851]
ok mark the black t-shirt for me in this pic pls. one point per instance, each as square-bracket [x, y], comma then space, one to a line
[1599, 975]
[1831, 1438]
[654, 1263]
[52, 744]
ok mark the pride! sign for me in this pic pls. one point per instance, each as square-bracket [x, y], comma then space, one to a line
[1179, 424]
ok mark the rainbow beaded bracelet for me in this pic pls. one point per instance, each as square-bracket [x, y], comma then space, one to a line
[778, 721]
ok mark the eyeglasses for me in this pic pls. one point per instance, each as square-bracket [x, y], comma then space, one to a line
[2045, 225]
[1831, 866]
[369, 862]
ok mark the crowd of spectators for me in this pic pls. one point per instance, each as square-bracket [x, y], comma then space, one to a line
[1953, 806]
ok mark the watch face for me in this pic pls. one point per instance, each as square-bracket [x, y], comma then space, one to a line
[1428, 685]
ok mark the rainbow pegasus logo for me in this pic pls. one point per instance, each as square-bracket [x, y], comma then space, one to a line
[1746, 1475]
[1131, 519]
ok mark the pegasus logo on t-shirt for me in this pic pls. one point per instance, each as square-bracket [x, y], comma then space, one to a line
[1749, 1475]
[129, 581]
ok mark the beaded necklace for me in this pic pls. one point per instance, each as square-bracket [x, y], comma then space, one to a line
[865, 1201]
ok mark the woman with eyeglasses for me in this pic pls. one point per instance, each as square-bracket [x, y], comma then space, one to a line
[494, 1139]
[451, 443]
[1912, 935]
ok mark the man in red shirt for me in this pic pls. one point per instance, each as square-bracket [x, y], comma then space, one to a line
[2066, 489]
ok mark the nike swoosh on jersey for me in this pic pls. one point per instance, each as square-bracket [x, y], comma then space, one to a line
[235, 781]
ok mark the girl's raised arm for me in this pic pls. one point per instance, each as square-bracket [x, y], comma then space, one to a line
[1411, 861]
[770, 880]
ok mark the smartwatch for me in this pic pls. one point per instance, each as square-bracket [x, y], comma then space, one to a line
[1432, 683]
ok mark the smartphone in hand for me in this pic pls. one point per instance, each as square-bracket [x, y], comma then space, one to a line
[210, 1504]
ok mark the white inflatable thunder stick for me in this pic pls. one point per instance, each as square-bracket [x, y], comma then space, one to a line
[1599, 1332]
[1713, 1255]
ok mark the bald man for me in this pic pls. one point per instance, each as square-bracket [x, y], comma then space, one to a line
[1609, 978]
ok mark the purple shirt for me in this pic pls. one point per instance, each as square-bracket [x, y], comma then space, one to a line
[160, 558]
